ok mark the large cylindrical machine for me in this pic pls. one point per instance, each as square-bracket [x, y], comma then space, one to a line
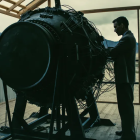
[30, 50]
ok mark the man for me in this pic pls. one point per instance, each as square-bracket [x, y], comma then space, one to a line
[123, 55]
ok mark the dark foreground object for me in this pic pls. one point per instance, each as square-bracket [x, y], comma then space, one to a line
[53, 57]
[119, 133]
[27, 129]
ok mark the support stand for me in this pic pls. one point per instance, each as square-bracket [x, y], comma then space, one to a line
[74, 123]
[19, 110]
[94, 114]
[8, 109]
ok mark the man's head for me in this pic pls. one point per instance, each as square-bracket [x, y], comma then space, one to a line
[120, 25]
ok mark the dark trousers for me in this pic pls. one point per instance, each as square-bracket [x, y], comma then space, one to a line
[126, 109]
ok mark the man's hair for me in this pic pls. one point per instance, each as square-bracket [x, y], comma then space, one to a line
[123, 20]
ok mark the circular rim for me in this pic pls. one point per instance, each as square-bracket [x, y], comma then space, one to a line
[48, 61]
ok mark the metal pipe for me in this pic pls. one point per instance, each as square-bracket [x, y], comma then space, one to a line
[138, 46]
[57, 4]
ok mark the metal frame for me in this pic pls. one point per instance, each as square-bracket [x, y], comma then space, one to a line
[138, 22]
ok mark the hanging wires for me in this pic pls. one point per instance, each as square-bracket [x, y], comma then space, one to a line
[75, 20]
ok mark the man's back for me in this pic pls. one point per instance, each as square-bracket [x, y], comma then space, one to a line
[124, 55]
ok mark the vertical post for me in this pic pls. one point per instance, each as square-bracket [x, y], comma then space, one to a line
[57, 4]
[93, 110]
[75, 124]
[55, 96]
[20, 107]
[8, 109]
[58, 118]
[49, 3]
[138, 48]
[64, 87]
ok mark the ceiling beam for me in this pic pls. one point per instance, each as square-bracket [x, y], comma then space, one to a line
[9, 14]
[13, 2]
[10, 10]
[6, 8]
[15, 5]
[49, 3]
[32, 6]
[110, 9]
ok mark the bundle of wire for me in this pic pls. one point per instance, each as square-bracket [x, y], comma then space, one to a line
[108, 82]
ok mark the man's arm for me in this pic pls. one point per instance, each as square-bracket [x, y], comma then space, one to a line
[122, 47]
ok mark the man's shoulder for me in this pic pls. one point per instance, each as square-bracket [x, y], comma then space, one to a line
[129, 35]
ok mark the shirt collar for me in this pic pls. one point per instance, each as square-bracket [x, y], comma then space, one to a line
[125, 33]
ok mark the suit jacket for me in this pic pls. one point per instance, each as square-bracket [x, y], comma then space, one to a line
[124, 54]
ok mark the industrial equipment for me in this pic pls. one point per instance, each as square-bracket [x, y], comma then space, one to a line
[53, 57]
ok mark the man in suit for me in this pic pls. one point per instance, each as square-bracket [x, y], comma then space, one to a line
[123, 55]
